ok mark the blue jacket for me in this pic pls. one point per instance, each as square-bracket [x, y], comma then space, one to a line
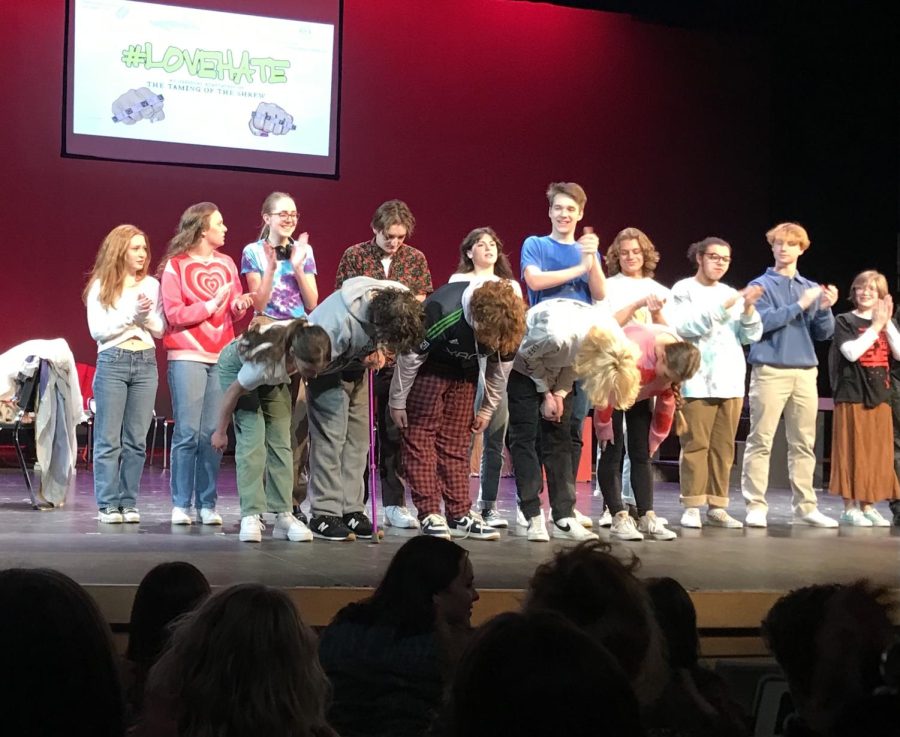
[788, 331]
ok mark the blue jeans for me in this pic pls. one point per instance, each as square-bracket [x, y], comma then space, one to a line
[125, 391]
[196, 400]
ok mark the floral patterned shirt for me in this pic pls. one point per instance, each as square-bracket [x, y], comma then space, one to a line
[408, 266]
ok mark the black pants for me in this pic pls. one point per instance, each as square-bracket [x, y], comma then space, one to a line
[609, 466]
[526, 427]
[895, 407]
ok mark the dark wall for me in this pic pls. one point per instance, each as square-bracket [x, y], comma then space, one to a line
[464, 108]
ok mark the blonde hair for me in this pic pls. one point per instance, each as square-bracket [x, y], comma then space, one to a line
[109, 266]
[863, 278]
[794, 230]
[648, 250]
[606, 364]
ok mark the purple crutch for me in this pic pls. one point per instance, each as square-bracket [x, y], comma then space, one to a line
[373, 475]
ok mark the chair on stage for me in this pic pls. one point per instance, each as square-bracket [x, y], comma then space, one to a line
[86, 383]
[23, 423]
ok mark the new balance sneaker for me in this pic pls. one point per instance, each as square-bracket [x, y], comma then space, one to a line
[288, 527]
[331, 527]
[814, 519]
[473, 526]
[209, 516]
[110, 515]
[395, 516]
[251, 529]
[691, 518]
[180, 516]
[131, 515]
[605, 518]
[854, 517]
[537, 529]
[359, 524]
[623, 527]
[493, 518]
[718, 517]
[435, 525]
[874, 516]
[569, 528]
[653, 526]
[756, 518]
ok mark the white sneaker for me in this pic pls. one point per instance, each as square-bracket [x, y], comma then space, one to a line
[131, 514]
[874, 516]
[493, 518]
[691, 518]
[396, 516]
[718, 517]
[520, 518]
[110, 515]
[605, 518]
[855, 518]
[288, 527]
[623, 527]
[651, 525]
[251, 529]
[180, 516]
[569, 528]
[209, 516]
[756, 518]
[583, 519]
[814, 519]
[537, 529]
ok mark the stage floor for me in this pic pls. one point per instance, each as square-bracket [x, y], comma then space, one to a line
[733, 575]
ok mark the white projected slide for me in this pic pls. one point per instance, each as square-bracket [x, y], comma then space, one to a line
[213, 87]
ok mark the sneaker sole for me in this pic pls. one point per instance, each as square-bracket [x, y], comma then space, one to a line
[805, 523]
[350, 538]
[475, 535]
[388, 523]
[211, 523]
[563, 535]
[539, 539]
[725, 525]
[627, 538]
[442, 535]
[501, 524]
[250, 538]
[184, 523]
[131, 521]
[285, 536]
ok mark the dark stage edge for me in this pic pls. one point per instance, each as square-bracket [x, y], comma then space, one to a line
[734, 576]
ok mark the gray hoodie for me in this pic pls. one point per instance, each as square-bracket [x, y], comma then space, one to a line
[343, 315]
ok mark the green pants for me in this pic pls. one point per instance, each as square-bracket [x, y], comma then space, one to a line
[262, 430]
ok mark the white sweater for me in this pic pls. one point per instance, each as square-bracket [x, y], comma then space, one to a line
[112, 325]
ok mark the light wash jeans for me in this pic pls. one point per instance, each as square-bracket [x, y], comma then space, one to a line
[196, 400]
[124, 392]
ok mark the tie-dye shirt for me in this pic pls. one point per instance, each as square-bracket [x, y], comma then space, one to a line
[285, 301]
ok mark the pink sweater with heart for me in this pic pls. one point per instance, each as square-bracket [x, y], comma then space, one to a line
[196, 329]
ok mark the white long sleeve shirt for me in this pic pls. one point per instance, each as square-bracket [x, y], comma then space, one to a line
[112, 325]
[719, 334]
[554, 331]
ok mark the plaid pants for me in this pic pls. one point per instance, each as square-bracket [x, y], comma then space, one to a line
[436, 444]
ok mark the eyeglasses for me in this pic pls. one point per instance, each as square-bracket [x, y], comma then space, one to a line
[718, 259]
[285, 215]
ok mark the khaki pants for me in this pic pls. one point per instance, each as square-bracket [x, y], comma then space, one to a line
[707, 450]
[773, 391]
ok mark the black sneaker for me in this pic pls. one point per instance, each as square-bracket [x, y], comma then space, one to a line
[359, 524]
[298, 513]
[472, 526]
[895, 510]
[330, 527]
